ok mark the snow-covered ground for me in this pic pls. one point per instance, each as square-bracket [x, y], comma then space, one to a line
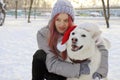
[18, 44]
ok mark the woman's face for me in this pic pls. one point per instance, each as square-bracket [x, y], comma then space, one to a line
[61, 22]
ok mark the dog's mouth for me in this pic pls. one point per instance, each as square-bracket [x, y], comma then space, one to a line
[75, 47]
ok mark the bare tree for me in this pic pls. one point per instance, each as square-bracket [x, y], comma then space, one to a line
[106, 12]
[31, 2]
[35, 7]
[25, 7]
[16, 6]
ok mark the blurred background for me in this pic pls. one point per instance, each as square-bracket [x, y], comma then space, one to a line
[43, 7]
[38, 8]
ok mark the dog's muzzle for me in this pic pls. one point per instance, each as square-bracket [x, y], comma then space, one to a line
[75, 47]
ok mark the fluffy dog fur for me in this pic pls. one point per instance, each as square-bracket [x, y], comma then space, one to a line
[81, 45]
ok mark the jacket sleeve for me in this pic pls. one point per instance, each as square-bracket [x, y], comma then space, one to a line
[103, 69]
[55, 64]
[60, 67]
[42, 36]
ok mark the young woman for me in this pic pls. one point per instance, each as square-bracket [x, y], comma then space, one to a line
[47, 61]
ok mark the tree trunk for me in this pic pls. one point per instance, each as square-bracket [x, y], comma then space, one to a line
[25, 12]
[16, 3]
[108, 8]
[34, 13]
[31, 2]
[25, 9]
[106, 13]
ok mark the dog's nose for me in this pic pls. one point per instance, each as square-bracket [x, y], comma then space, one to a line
[74, 40]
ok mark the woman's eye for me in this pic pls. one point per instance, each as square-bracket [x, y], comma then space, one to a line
[57, 19]
[66, 20]
[73, 33]
[83, 35]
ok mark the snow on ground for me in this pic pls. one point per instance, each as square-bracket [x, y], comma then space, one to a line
[18, 44]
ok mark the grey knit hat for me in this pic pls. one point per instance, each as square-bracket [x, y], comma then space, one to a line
[63, 6]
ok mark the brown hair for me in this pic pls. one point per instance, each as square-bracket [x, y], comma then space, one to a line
[54, 34]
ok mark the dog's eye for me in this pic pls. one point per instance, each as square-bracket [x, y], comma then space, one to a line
[73, 33]
[83, 35]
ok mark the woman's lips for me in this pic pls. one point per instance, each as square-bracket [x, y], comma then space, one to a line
[61, 28]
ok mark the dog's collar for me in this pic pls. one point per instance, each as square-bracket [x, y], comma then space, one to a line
[78, 61]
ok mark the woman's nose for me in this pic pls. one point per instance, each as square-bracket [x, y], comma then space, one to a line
[62, 23]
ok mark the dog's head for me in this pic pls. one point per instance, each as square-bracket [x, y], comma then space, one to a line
[79, 44]
[82, 41]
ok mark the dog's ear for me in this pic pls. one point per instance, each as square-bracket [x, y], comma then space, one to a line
[106, 43]
[97, 37]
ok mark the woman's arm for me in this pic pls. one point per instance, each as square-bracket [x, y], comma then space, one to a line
[53, 63]
[60, 67]
[42, 38]
[103, 69]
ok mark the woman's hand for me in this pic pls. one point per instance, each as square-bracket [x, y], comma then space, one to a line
[96, 76]
[84, 68]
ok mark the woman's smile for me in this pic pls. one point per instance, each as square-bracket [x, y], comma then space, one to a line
[62, 28]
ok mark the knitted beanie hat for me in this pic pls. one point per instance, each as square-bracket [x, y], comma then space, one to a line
[62, 6]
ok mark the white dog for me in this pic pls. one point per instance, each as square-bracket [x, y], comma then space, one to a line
[81, 45]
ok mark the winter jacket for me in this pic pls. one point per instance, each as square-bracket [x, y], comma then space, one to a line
[58, 66]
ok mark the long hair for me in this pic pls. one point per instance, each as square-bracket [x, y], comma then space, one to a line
[54, 34]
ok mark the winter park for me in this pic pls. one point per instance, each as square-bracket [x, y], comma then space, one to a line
[18, 40]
